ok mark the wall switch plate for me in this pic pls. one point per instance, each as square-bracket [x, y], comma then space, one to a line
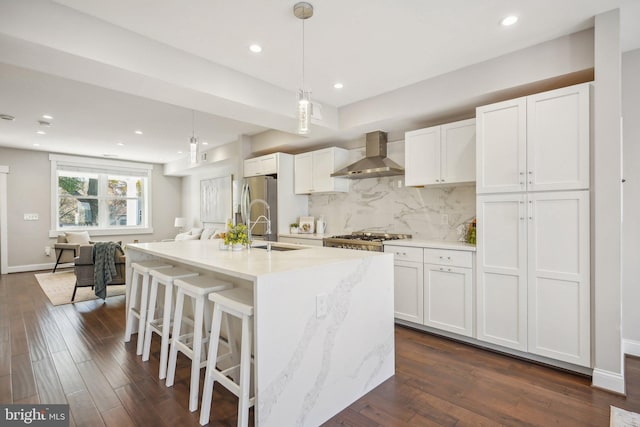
[399, 183]
[444, 219]
[321, 305]
[47, 250]
[31, 217]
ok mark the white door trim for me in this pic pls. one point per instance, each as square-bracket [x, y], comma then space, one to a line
[4, 264]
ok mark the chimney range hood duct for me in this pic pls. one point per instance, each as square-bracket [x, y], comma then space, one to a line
[375, 164]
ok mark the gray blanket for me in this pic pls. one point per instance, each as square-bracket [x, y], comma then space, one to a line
[104, 266]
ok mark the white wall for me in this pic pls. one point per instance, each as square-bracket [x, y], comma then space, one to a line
[606, 204]
[631, 222]
[220, 161]
[29, 191]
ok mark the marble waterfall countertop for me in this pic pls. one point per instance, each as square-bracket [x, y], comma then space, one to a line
[323, 322]
[433, 244]
[248, 263]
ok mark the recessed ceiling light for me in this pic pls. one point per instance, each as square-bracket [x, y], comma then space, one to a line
[509, 20]
[36, 145]
[121, 144]
[41, 132]
[205, 143]
[338, 85]
[137, 132]
[255, 48]
[47, 116]
[179, 152]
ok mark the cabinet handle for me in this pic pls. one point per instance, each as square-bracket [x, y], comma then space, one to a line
[530, 172]
[449, 269]
[442, 180]
[521, 173]
[530, 209]
[441, 269]
[437, 180]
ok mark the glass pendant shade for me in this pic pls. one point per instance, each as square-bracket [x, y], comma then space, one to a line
[193, 150]
[304, 111]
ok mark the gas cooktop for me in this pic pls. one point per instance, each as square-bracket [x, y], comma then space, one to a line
[362, 240]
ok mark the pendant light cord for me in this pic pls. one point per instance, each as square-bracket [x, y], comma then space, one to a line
[193, 124]
[303, 54]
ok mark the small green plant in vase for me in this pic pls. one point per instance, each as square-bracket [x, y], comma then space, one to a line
[293, 228]
[237, 235]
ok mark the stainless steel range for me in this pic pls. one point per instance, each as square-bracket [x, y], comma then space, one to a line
[362, 241]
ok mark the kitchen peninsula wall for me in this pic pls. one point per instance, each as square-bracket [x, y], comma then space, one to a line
[377, 204]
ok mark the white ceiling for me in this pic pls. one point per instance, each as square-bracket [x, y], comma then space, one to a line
[103, 69]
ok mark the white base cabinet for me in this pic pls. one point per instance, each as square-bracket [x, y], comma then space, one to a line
[434, 287]
[408, 283]
[300, 240]
[533, 281]
[448, 298]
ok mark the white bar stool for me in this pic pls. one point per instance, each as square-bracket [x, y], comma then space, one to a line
[236, 302]
[162, 326]
[138, 269]
[190, 344]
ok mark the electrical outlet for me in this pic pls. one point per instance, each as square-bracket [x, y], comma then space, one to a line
[444, 219]
[399, 183]
[47, 250]
[31, 217]
[321, 305]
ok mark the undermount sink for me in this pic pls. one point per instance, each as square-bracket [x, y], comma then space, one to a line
[277, 248]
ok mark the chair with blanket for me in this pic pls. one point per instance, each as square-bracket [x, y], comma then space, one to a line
[99, 265]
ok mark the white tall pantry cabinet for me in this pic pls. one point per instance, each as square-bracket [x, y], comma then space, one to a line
[533, 250]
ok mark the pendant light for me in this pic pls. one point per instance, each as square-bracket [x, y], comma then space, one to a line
[193, 141]
[303, 11]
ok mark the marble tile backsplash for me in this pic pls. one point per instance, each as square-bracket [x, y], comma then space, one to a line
[377, 204]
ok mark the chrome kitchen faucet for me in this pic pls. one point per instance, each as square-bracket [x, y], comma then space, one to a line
[260, 220]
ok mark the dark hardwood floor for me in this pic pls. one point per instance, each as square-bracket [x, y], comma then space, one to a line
[75, 354]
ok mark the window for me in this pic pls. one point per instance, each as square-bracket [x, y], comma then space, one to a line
[101, 196]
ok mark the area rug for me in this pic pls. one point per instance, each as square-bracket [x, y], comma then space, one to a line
[622, 418]
[59, 288]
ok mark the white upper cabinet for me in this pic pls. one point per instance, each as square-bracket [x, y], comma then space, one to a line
[558, 139]
[501, 155]
[441, 154]
[458, 151]
[313, 171]
[422, 156]
[534, 143]
[263, 165]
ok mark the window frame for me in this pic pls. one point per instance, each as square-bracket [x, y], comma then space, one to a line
[102, 167]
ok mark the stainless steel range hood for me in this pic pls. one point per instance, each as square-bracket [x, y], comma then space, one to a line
[375, 164]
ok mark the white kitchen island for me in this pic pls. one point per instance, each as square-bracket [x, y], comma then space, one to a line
[323, 325]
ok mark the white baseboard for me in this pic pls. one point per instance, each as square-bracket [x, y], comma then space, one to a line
[36, 267]
[631, 347]
[606, 380]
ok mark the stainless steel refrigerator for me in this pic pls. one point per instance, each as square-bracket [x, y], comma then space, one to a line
[265, 188]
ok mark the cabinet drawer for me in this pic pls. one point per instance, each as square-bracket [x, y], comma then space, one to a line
[447, 257]
[405, 253]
